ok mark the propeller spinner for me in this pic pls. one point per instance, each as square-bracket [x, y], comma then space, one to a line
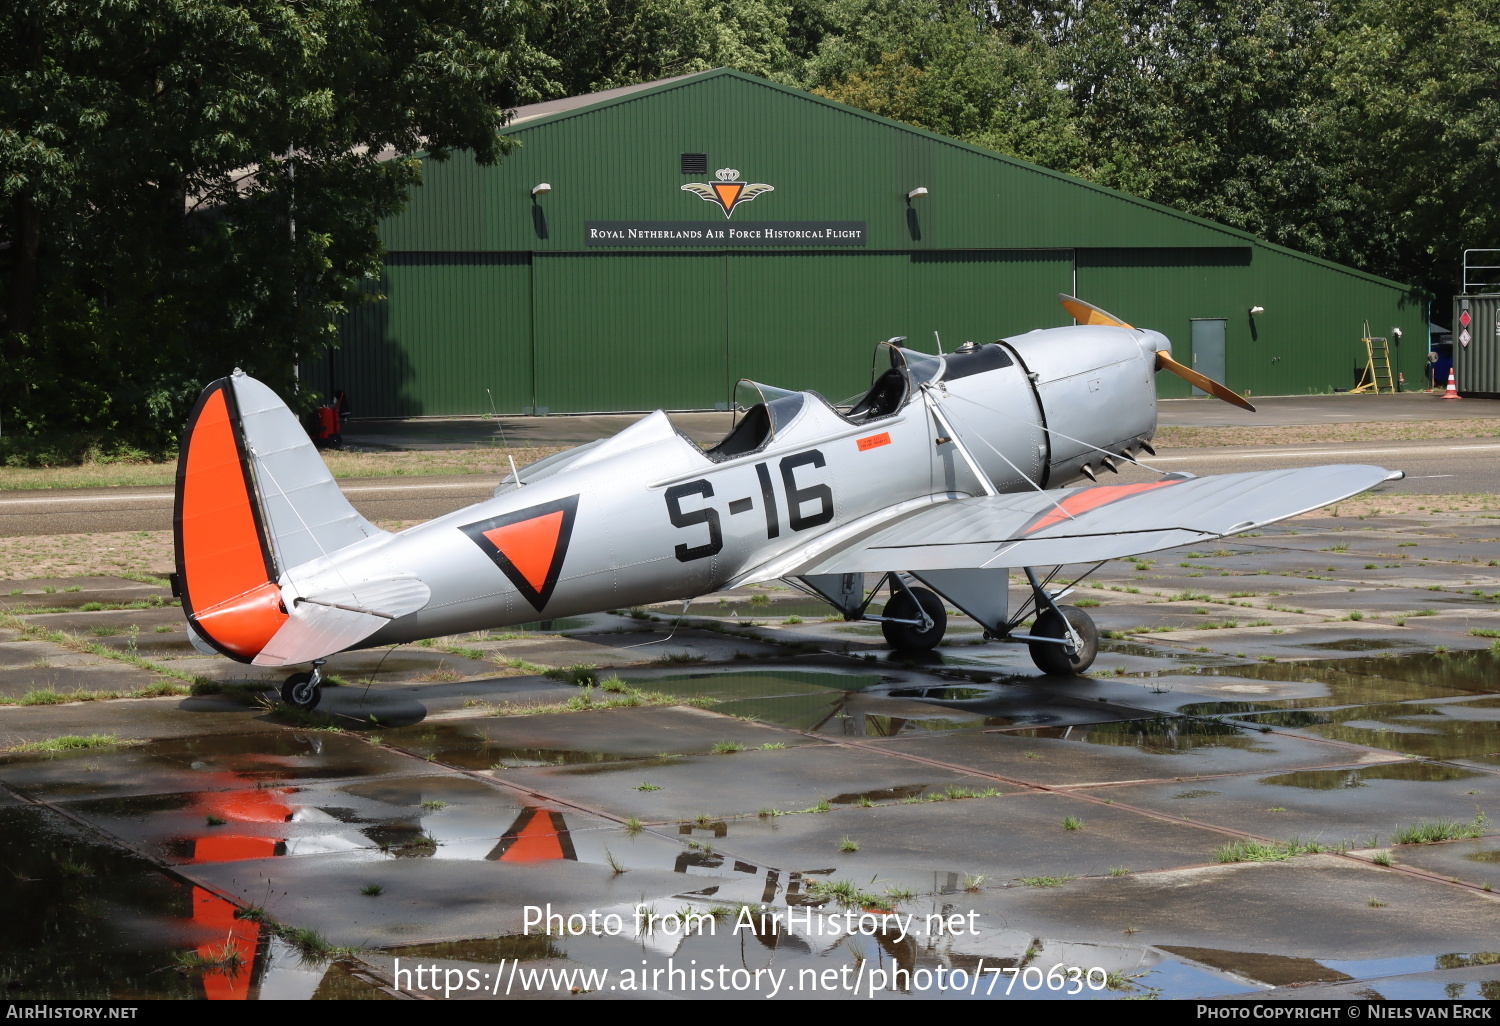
[1088, 313]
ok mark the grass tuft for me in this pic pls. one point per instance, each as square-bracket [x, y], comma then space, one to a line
[1264, 851]
[69, 743]
[225, 958]
[1431, 831]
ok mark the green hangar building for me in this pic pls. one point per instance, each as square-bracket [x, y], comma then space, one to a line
[646, 247]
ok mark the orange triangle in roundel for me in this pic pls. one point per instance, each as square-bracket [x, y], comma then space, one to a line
[537, 841]
[728, 193]
[530, 546]
[537, 835]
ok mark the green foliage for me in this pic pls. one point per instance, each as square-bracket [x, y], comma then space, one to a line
[194, 186]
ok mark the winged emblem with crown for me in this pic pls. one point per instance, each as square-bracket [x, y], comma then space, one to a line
[728, 192]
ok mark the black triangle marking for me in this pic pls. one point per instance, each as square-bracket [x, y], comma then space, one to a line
[538, 597]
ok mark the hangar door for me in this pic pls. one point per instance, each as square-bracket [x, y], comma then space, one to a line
[628, 331]
[451, 336]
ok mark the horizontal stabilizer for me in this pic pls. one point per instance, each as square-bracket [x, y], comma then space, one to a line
[332, 620]
[1086, 525]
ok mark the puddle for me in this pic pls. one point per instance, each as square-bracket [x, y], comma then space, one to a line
[851, 715]
[89, 921]
[1422, 675]
[1360, 681]
[459, 744]
[1339, 779]
[1159, 736]
[767, 948]
[754, 683]
[206, 763]
[1484, 856]
[1355, 644]
[1430, 731]
[1148, 652]
[1287, 971]
[947, 693]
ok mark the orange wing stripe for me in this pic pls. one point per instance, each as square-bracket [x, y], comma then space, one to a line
[530, 545]
[1091, 498]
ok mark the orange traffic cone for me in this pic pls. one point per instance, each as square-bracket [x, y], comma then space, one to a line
[1452, 392]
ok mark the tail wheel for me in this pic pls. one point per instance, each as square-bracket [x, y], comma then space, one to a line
[1054, 659]
[910, 604]
[302, 690]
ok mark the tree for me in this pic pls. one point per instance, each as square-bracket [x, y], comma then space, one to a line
[190, 185]
[1414, 106]
[941, 65]
[603, 44]
[1213, 107]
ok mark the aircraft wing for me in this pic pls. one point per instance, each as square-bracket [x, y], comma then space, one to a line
[1098, 522]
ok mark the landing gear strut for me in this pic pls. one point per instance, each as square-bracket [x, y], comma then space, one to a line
[1072, 657]
[304, 690]
[1063, 639]
[914, 619]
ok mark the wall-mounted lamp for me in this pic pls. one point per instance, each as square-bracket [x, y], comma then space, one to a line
[920, 190]
[1396, 334]
[1257, 310]
[540, 190]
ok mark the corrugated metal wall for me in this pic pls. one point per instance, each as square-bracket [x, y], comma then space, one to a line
[628, 331]
[451, 325]
[488, 287]
[1476, 367]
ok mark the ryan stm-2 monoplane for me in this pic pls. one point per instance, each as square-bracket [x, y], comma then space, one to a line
[947, 474]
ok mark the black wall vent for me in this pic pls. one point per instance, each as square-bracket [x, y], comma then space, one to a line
[695, 163]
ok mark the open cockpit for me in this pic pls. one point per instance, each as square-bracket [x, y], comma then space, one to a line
[766, 412]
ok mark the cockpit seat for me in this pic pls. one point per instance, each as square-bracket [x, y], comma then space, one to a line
[885, 397]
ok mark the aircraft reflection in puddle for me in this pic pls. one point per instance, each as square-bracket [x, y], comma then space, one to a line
[535, 835]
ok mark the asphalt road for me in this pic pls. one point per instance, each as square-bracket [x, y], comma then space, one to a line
[89, 510]
[1431, 467]
[1440, 466]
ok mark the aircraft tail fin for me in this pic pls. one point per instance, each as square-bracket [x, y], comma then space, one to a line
[254, 499]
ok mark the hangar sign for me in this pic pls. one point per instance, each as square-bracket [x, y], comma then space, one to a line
[713, 234]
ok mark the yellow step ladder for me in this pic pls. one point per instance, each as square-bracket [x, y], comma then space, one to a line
[1376, 376]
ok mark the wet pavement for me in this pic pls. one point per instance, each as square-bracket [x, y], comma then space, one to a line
[1280, 784]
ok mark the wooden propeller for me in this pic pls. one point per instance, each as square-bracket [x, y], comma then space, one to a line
[1088, 313]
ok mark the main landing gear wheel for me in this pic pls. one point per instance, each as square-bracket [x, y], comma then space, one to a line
[904, 606]
[303, 690]
[1054, 659]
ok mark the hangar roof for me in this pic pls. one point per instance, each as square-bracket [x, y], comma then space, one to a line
[611, 156]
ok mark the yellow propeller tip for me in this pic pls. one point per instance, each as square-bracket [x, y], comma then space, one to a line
[1088, 313]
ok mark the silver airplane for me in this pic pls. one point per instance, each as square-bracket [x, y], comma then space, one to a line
[950, 472]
